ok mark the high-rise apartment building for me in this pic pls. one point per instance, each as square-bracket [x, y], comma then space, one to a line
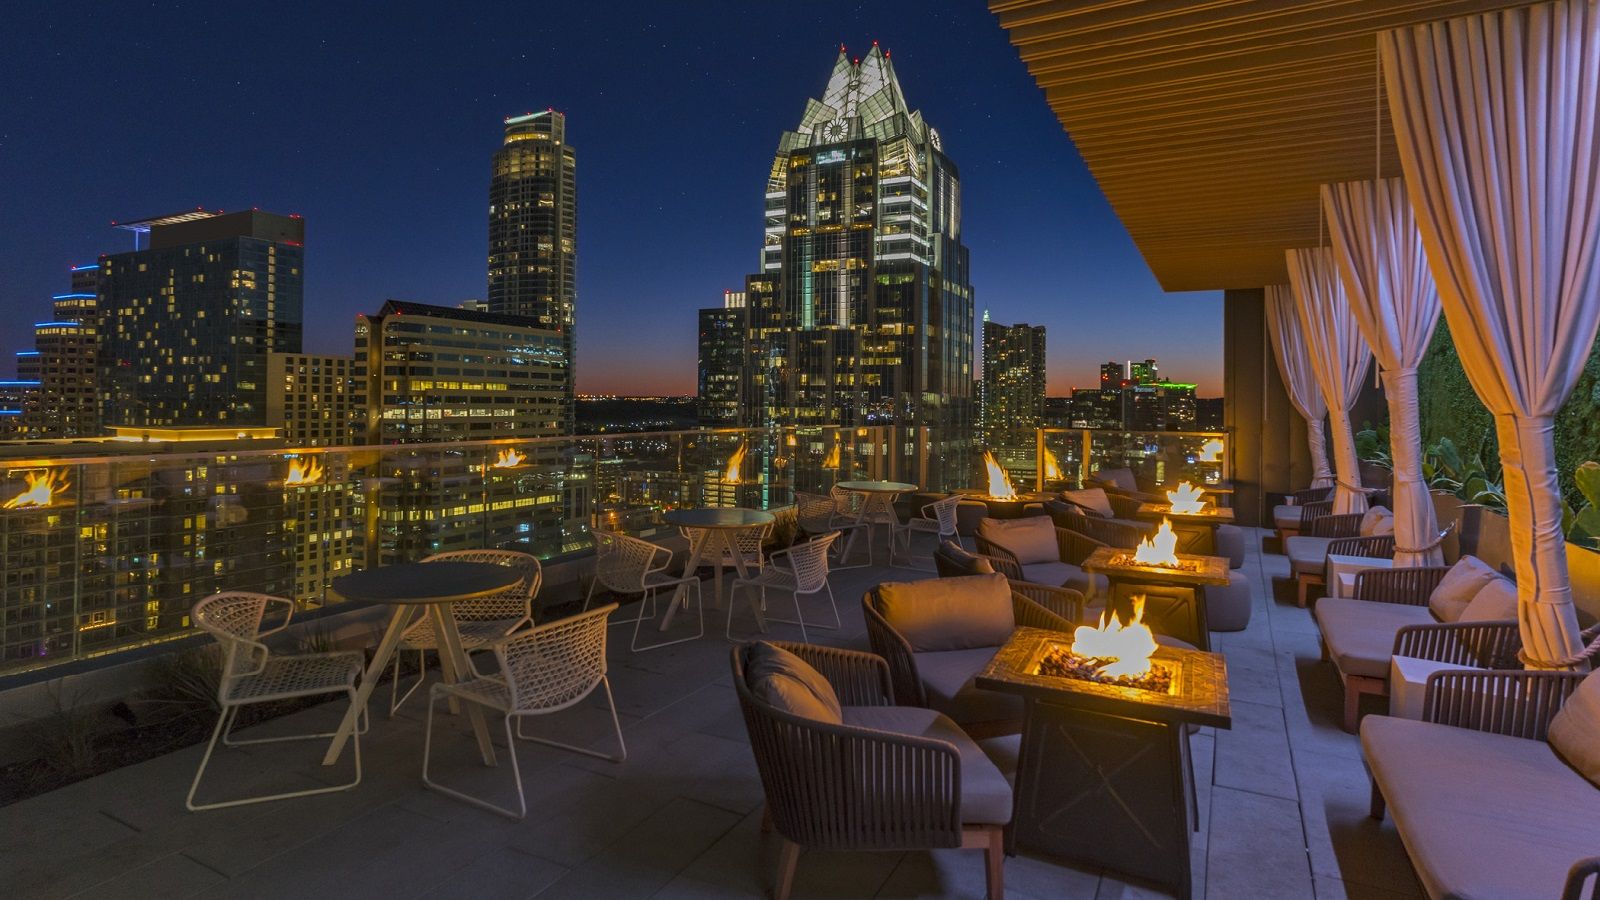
[1143, 372]
[314, 399]
[533, 222]
[863, 311]
[1113, 374]
[723, 343]
[56, 391]
[191, 317]
[1013, 383]
[434, 374]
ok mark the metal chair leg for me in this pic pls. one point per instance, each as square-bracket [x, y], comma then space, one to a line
[511, 750]
[219, 734]
[615, 722]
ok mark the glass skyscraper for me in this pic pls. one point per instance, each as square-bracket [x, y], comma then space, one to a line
[533, 222]
[863, 311]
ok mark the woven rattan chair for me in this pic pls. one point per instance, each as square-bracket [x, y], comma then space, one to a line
[1482, 748]
[847, 787]
[1071, 548]
[1483, 644]
[818, 514]
[1345, 539]
[480, 622]
[802, 570]
[543, 670]
[253, 674]
[1065, 602]
[938, 519]
[1311, 502]
[909, 686]
[1111, 532]
[628, 565]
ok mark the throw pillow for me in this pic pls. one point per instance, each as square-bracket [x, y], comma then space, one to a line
[1091, 500]
[1030, 540]
[786, 682]
[1495, 601]
[1458, 587]
[949, 613]
[1377, 520]
[1575, 731]
[970, 563]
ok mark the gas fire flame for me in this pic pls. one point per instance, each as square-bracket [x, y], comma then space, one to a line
[1187, 499]
[508, 458]
[831, 461]
[1130, 644]
[42, 487]
[731, 474]
[999, 485]
[1052, 466]
[308, 472]
[1160, 550]
[1211, 451]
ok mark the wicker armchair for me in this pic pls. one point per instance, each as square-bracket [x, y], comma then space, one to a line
[1351, 625]
[1343, 536]
[1072, 548]
[1480, 721]
[1065, 602]
[848, 787]
[1111, 532]
[910, 685]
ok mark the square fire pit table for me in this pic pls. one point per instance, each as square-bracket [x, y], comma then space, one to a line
[1197, 532]
[1175, 599]
[1104, 777]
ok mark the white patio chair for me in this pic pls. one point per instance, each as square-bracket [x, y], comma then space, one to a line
[253, 674]
[801, 570]
[628, 565]
[938, 518]
[480, 622]
[543, 670]
[819, 514]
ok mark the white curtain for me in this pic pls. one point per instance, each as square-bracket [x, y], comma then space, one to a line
[1339, 359]
[1386, 280]
[1496, 120]
[1294, 365]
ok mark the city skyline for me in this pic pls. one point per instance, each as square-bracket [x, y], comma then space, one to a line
[1076, 270]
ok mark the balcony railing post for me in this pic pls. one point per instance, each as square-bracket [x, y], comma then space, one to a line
[1038, 460]
[1083, 461]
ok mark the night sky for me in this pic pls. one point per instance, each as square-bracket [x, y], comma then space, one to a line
[376, 124]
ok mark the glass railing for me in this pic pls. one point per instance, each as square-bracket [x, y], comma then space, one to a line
[1066, 457]
[106, 552]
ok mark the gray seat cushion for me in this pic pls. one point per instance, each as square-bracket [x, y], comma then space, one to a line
[1286, 516]
[985, 794]
[1307, 555]
[1482, 815]
[947, 677]
[1230, 543]
[1360, 633]
[1228, 605]
[1062, 574]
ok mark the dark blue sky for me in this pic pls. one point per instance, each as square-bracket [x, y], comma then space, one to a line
[376, 124]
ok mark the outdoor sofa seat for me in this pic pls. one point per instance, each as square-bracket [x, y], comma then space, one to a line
[1307, 555]
[1359, 634]
[1484, 806]
[1033, 549]
[938, 634]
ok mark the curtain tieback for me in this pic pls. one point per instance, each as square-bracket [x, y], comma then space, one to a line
[1587, 654]
[1429, 547]
[1358, 488]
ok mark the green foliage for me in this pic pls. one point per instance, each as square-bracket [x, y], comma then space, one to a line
[66, 737]
[1583, 524]
[1372, 444]
[187, 682]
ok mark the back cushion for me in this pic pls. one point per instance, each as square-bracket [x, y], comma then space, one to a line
[1575, 731]
[1030, 540]
[1377, 520]
[949, 613]
[969, 563]
[1092, 500]
[786, 682]
[1458, 587]
[1121, 479]
[1496, 600]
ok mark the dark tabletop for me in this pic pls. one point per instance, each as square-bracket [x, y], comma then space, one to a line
[439, 582]
[717, 517]
[877, 487]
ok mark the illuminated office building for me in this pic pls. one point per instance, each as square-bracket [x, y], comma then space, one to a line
[191, 316]
[723, 345]
[533, 222]
[314, 399]
[870, 316]
[1013, 384]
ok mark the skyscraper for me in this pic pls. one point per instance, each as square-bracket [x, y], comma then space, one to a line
[724, 331]
[314, 399]
[1013, 383]
[870, 318]
[191, 317]
[533, 221]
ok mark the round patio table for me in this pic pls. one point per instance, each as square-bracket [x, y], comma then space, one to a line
[413, 589]
[877, 507]
[717, 532]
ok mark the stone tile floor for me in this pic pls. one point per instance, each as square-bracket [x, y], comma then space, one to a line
[1283, 799]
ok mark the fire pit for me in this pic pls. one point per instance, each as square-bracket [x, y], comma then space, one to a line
[1001, 499]
[1172, 584]
[1196, 519]
[1104, 774]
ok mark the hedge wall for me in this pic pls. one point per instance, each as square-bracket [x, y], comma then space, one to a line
[1451, 409]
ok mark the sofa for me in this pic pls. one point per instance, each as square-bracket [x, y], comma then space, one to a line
[1368, 534]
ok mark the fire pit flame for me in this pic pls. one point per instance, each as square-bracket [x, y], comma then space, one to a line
[42, 488]
[1211, 451]
[1160, 550]
[1187, 499]
[508, 458]
[307, 472]
[999, 485]
[1052, 466]
[735, 462]
[1127, 645]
